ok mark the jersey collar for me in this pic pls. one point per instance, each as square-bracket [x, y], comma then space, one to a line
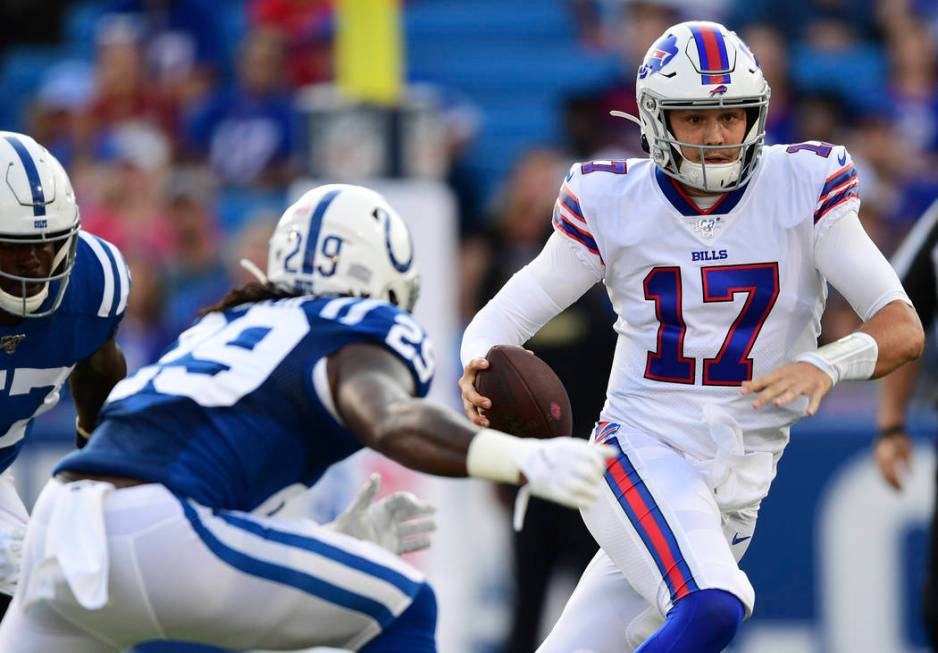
[685, 205]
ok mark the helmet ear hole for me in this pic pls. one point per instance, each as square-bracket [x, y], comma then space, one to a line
[392, 298]
[645, 146]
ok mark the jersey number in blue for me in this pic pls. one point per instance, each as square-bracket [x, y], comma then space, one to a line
[732, 364]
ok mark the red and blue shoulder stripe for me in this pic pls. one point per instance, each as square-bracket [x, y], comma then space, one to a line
[840, 187]
[572, 230]
[570, 204]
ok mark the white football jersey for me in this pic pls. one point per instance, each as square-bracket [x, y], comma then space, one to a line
[707, 299]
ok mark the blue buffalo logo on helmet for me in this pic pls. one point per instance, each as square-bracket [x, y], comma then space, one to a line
[661, 53]
[719, 90]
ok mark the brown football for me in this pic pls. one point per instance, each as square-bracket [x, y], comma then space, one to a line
[528, 400]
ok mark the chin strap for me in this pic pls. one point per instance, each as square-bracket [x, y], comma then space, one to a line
[251, 267]
[719, 174]
[627, 116]
[23, 306]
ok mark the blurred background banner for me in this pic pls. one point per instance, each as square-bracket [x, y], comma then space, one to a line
[188, 125]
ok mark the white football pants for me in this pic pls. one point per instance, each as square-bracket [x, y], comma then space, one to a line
[105, 569]
[662, 535]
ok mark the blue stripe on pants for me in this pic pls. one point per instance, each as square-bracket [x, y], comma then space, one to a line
[285, 575]
[401, 582]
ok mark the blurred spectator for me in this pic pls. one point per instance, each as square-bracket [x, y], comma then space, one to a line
[249, 242]
[773, 59]
[791, 18]
[307, 27]
[914, 85]
[122, 92]
[591, 132]
[247, 131]
[143, 335]
[578, 344]
[181, 44]
[832, 58]
[197, 276]
[517, 229]
[64, 93]
[819, 116]
[120, 197]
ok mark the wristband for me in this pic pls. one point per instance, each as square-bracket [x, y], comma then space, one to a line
[890, 431]
[493, 455]
[852, 358]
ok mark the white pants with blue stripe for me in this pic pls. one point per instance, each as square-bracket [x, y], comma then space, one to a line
[662, 536]
[173, 569]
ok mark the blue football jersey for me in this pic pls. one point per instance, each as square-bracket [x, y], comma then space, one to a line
[37, 355]
[239, 406]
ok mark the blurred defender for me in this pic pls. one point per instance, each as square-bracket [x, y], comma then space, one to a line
[716, 254]
[146, 535]
[62, 294]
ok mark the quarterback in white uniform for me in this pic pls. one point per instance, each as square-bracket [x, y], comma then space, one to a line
[716, 253]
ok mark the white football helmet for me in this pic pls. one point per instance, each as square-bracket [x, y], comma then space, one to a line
[37, 205]
[344, 240]
[701, 65]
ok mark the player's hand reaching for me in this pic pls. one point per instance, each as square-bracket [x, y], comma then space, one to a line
[893, 454]
[400, 522]
[565, 470]
[474, 403]
[785, 384]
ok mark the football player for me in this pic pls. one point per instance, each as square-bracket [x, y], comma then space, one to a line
[62, 294]
[716, 253]
[146, 533]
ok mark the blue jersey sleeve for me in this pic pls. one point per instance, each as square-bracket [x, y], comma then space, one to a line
[99, 287]
[367, 320]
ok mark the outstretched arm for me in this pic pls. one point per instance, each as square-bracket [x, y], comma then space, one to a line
[91, 382]
[373, 394]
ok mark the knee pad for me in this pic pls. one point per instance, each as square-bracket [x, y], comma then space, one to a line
[413, 631]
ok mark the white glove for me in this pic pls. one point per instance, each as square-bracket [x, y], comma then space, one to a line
[565, 470]
[400, 522]
[11, 557]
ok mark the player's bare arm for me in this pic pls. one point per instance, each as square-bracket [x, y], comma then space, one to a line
[893, 450]
[91, 382]
[898, 336]
[374, 395]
